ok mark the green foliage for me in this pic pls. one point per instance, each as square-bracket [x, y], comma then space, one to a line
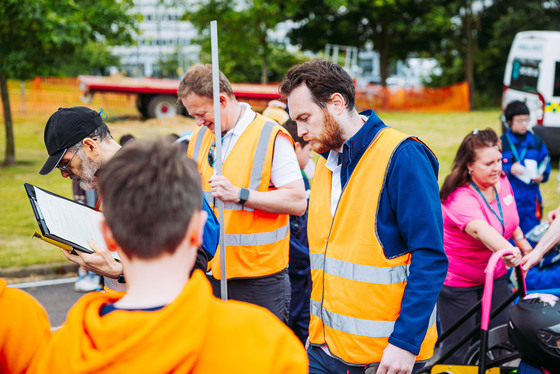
[93, 58]
[34, 35]
[244, 51]
[397, 29]
[494, 27]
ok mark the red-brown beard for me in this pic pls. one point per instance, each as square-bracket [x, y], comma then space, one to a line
[331, 137]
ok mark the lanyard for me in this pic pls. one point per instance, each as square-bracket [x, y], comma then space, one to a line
[501, 217]
[514, 150]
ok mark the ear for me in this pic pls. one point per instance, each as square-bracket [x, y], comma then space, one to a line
[224, 99]
[196, 228]
[108, 236]
[91, 148]
[298, 147]
[337, 103]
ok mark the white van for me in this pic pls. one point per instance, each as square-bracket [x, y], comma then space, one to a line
[533, 75]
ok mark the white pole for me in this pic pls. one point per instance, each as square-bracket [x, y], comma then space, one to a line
[218, 164]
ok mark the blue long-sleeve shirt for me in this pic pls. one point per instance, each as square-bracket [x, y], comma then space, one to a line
[409, 221]
[527, 196]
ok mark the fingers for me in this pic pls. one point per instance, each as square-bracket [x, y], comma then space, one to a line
[73, 258]
[99, 249]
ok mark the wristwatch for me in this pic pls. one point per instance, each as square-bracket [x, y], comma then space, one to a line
[121, 279]
[243, 196]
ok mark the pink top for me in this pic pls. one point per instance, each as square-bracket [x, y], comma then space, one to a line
[468, 257]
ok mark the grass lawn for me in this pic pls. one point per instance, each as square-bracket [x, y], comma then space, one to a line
[442, 132]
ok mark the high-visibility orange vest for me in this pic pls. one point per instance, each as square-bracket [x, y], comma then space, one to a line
[257, 242]
[357, 291]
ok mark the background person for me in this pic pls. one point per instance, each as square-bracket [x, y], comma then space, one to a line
[167, 322]
[526, 162]
[261, 186]
[479, 216]
[299, 269]
[374, 229]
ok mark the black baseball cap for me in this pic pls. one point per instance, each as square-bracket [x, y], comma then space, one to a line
[66, 127]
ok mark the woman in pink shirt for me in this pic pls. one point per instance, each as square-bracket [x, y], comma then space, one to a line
[479, 216]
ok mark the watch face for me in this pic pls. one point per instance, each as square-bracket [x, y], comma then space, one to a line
[244, 194]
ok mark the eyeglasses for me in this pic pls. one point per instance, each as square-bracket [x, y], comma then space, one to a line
[212, 154]
[66, 164]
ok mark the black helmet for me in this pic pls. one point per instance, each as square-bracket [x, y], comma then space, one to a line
[534, 330]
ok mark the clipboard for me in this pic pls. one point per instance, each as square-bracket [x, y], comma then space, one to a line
[56, 238]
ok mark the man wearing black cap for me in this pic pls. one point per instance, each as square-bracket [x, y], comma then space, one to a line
[79, 143]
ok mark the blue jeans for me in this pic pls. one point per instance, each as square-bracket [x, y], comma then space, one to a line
[322, 363]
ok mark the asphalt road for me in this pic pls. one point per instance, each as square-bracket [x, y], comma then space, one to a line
[57, 296]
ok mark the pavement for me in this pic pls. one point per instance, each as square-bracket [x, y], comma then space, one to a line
[39, 272]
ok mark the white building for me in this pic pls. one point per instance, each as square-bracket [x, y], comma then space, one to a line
[162, 36]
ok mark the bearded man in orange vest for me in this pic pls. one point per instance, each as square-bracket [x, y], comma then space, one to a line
[168, 321]
[261, 186]
[375, 231]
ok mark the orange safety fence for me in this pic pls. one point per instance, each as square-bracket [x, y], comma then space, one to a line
[446, 99]
[47, 94]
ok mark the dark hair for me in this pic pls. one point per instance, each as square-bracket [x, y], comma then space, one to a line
[291, 126]
[125, 139]
[102, 132]
[323, 78]
[466, 154]
[198, 80]
[150, 192]
[515, 108]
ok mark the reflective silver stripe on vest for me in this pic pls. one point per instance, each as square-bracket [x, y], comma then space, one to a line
[360, 273]
[260, 156]
[198, 142]
[357, 326]
[261, 238]
[350, 325]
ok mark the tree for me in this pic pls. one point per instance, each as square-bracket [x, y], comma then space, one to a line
[397, 28]
[243, 28]
[477, 47]
[34, 34]
[92, 58]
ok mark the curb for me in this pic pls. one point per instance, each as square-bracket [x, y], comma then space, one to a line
[39, 272]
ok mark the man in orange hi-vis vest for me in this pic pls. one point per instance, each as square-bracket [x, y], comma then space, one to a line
[168, 321]
[261, 186]
[375, 231]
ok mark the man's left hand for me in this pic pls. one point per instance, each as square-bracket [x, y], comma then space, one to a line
[222, 189]
[396, 360]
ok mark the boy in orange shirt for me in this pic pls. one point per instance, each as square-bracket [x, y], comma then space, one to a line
[166, 322]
